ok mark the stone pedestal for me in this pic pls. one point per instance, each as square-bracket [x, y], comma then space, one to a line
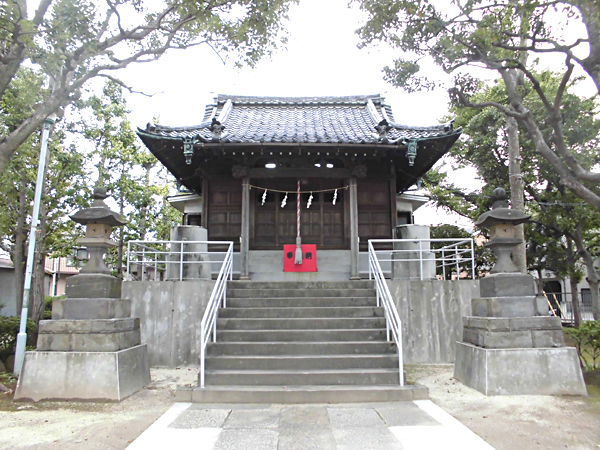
[72, 375]
[411, 250]
[91, 349]
[517, 356]
[195, 265]
[519, 371]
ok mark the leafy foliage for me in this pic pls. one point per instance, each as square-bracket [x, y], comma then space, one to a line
[135, 181]
[587, 341]
[484, 258]
[74, 41]
[507, 37]
[9, 328]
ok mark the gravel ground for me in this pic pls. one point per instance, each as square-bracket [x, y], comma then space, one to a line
[515, 422]
[507, 422]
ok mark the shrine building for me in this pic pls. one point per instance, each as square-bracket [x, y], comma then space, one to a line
[244, 164]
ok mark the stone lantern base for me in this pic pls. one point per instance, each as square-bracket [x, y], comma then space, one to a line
[519, 371]
[90, 350]
[99, 376]
[517, 356]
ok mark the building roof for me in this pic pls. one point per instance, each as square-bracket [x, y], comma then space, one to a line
[354, 132]
[334, 120]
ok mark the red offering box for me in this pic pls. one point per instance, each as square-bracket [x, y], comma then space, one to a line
[309, 258]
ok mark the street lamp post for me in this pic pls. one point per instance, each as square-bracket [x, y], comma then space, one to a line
[22, 336]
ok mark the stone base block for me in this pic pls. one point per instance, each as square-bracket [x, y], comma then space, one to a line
[507, 285]
[515, 332]
[93, 286]
[508, 307]
[102, 335]
[85, 308]
[98, 376]
[522, 371]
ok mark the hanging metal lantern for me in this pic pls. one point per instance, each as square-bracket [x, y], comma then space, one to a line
[411, 152]
[188, 150]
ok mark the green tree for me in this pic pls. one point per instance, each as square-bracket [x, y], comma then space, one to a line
[508, 37]
[484, 259]
[560, 219]
[61, 195]
[74, 41]
[131, 174]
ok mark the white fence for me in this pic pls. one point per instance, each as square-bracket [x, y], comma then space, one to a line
[174, 260]
[424, 258]
[561, 305]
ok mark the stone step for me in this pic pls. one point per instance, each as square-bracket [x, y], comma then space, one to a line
[300, 348]
[352, 377]
[289, 312]
[300, 394]
[316, 335]
[337, 275]
[315, 362]
[298, 293]
[304, 302]
[363, 284]
[321, 323]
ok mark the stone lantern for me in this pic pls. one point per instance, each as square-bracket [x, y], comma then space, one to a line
[95, 279]
[501, 222]
[510, 345]
[91, 349]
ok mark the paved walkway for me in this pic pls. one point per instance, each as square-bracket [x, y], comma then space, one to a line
[418, 425]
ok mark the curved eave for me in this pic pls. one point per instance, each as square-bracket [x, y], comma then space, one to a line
[169, 151]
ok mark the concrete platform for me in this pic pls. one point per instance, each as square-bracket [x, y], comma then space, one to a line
[418, 425]
[519, 371]
[100, 376]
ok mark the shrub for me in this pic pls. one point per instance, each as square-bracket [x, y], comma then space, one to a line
[47, 315]
[9, 328]
[587, 341]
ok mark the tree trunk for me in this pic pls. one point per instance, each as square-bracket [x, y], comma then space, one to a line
[38, 292]
[121, 240]
[540, 280]
[20, 241]
[592, 275]
[516, 189]
[573, 283]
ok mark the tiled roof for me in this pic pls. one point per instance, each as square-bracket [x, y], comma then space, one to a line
[348, 120]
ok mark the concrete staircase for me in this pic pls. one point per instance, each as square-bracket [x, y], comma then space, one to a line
[301, 342]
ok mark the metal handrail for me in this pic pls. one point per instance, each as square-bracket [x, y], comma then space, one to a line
[451, 255]
[392, 318]
[146, 254]
[218, 297]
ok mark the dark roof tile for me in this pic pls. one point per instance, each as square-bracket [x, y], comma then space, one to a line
[300, 119]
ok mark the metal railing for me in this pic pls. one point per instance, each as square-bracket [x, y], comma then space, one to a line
[560, 304]
[418, 254]
[157, 260]
[393, 324]
[218, 299]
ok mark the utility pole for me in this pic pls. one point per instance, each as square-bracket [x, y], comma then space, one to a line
[39, 184]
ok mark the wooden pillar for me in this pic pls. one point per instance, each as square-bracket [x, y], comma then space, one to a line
[245, 238]
[354, 273]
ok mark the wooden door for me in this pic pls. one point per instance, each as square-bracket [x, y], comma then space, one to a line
[225, 210]
[374, 217]
[321, 224]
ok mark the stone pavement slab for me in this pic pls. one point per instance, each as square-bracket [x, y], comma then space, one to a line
[417, 425]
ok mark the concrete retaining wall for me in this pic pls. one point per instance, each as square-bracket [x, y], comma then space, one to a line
[431, 312]
[170, 313]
